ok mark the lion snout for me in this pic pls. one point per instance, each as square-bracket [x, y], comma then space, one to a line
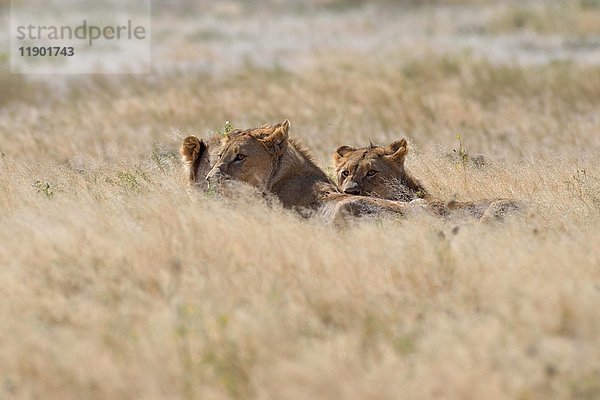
[351, 188]
[216, 175]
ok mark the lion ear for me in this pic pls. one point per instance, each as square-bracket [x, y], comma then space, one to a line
[285, 125]
[340, 153]
[397, 151]
[192, 150]
[277, 141]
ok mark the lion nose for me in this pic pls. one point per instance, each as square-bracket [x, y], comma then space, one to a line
[352, 188]
[215, 175]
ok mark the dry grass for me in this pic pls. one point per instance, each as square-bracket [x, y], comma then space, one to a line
[504, 111]
[580, 18]
[120, 282]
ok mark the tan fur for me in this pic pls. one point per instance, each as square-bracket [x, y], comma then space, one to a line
[389, 179]
[268, 159]
[378, 171]
[198, 157]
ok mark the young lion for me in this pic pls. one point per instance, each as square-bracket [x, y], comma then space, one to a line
[377, 171]
[269, 160]
[380, 172]
[198, 157]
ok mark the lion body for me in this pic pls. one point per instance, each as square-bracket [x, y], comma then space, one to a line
[269, 160]
[378, 171]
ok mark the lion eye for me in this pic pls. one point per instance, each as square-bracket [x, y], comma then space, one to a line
[371, 173]
[345, 174]
[239, 157]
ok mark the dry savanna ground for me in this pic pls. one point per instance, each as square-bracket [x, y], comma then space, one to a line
[119, 282]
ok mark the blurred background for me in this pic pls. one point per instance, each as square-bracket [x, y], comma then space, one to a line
[217, 36]
[354, 70]
[295, 34]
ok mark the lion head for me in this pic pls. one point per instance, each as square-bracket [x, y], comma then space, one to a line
[376, 171]
[250, 156]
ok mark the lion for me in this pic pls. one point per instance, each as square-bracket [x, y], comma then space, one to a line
[198, 157]
[380, 172]
[269, 160]
[377, 171]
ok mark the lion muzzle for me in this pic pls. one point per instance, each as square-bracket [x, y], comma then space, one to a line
[351, 187]
[216, 176]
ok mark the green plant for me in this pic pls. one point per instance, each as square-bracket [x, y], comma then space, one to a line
[160, 158]
[463, 157]
[227, 127]
[44, 188]
[129, 181]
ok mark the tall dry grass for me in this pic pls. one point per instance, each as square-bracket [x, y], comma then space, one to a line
[118, 281]
[580, 18]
